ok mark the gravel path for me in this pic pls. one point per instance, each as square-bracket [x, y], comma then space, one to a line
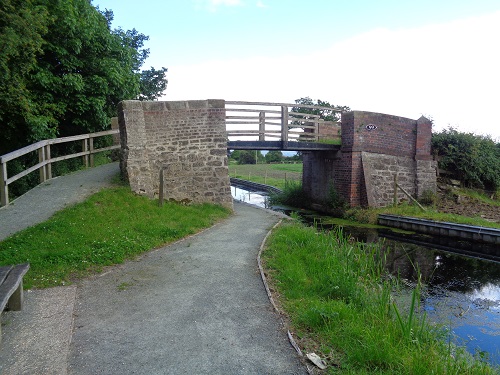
[40, 203]
[197, 306]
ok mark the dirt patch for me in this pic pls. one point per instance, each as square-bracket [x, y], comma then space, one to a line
[450, 201]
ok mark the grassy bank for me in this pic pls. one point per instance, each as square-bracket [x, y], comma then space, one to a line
[110, 227]
[288, 178]
[341, 306]
[369, 215]
[270, 174]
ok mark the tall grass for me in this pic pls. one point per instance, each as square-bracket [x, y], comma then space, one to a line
[342, 306]
[110, 227]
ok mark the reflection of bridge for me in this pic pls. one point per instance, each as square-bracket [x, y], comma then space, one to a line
[279, 126]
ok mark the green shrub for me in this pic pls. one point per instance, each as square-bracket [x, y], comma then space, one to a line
[292, 195]
[473, 159]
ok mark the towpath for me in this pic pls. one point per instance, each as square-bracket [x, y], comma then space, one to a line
[197, 306]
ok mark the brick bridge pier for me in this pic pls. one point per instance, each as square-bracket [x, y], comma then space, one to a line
[188, 142]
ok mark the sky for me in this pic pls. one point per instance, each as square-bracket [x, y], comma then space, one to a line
[436, 58]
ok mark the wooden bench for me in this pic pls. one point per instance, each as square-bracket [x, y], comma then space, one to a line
[11, 288]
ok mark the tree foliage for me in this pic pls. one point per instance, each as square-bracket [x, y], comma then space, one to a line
[274, 156]
[325, 114]
[473, 159]
[63, 70]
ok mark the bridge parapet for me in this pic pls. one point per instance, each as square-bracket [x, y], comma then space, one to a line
[268, 126]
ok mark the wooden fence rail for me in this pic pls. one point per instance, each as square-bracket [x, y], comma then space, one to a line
[44, 165]
[261, 121]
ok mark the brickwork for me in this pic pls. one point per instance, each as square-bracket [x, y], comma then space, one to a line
[375, 147]
[187, 139]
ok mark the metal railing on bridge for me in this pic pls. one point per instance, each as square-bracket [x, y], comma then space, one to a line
[259, 125]
[45, 161]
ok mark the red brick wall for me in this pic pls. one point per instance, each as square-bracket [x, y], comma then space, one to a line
[371, 134]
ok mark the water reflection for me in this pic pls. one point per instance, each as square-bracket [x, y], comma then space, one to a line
[255, 198]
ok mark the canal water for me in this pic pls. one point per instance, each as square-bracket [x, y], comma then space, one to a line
[462, 288]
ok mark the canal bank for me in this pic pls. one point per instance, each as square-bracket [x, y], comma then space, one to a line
[462, 279]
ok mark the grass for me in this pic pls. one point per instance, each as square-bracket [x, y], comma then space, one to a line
[111, 226]
[270, 174]
[369, 215]
[276, 174]
[341, 306]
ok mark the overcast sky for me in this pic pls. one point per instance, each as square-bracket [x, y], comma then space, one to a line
[437, 58]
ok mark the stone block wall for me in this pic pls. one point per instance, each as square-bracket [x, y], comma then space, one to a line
[375, 147]
[187, 139]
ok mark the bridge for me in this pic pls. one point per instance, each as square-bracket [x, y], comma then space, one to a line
[180, 149]
[280, 126]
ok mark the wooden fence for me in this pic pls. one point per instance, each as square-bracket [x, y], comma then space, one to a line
[260, 121]
[45, 161]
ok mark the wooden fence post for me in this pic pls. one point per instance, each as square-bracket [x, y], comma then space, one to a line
[84, 149]
[262, 126]
[284, 126]
[160, 192]
[49, 164]
[41, 159]
[4, 188]
[395, 197]
[91, 141]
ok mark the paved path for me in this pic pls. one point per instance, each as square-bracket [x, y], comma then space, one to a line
[40, 203]
[195, 307]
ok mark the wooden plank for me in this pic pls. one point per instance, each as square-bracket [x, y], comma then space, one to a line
[11, 288]
[4, 271]
[26, 172]
[73, 138]
[257, 110]
[66, 157]
[281, 105]
[284, 126]
[22, 151]
[109, 148]
[294, 114]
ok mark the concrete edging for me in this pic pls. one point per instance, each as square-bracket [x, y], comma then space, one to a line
[467, 232]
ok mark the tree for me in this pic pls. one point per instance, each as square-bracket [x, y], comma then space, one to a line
[22, 26]
[274, 156]
[246, 157]
[325, 114]
[64, 70]
[153, 83]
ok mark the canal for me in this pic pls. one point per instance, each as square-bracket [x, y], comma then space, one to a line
[462, 280]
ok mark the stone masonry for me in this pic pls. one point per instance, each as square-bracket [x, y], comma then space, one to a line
[375, 147]
[185, 139]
